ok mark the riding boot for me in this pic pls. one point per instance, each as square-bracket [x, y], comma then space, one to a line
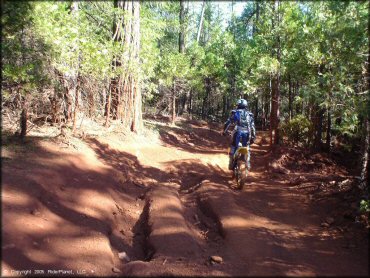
[231, 160]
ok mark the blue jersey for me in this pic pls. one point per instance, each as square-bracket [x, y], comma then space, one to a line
[243, 120]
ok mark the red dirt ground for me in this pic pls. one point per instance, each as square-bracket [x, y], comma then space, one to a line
[168, 202]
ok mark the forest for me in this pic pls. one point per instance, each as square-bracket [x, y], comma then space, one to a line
[302, 66]
[164, 76]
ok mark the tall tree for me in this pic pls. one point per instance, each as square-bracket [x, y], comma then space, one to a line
[125, 88]
[201, 20]
[182, 27]
[366, 133]
[76, 77]
[275, 82]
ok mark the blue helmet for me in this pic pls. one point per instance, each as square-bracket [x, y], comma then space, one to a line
[242, 104]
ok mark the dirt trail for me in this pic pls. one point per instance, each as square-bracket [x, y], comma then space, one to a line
[270, 229]
[168, 204]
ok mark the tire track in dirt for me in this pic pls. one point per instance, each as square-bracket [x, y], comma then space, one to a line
[240, 229]
[269, 230]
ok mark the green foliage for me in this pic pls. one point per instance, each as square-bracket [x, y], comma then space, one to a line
[365, 206]
[297, 130]
[174, 66]
[152, 30]
[22, 52]
[73, 41]
[322, 47]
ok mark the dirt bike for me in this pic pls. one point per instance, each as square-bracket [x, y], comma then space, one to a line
[240, 169]
[240, 164]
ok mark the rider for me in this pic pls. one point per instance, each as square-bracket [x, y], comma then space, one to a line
[244, 129]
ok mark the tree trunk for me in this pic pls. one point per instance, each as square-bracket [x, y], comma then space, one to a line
[319, 115]
[108, 107]
[290, 104]
[263, 122]
[91, 104]
[328, 127]
[67, 111]
[275, 90]
[23, 120]
[182, 27]
[54, 108]
[68, 97]
[125, 89]
[201, 20]
[205, 104]
[274, 116]
[137, 123]
[255, 28]
[256, 108]
[191, 104]
[365, 155]
[186, 103]
[173, 119]
[76, 83]
[75, 112]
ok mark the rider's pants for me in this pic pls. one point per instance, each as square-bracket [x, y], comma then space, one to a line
[244, 137]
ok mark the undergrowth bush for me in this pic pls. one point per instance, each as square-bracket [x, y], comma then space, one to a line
[297, 130]
[365, 206]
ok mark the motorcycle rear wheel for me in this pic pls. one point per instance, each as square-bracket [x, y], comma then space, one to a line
[240, 173]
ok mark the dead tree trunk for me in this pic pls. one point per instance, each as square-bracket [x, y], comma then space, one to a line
[201, 20]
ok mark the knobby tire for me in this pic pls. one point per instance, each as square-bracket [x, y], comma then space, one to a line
[240, 173]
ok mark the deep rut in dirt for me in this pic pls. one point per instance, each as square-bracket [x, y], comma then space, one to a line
[142, 231]
[175, 227]
[209, 219]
